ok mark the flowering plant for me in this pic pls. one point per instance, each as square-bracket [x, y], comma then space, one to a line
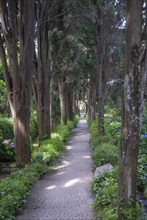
[7, 150]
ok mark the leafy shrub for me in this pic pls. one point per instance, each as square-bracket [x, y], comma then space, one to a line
[4, 106]
[103, 149]
[15, 189]
[106, 203]
[64, 130]
[105, 153]
[49, 149]
[76, 119]
[113, 127]
[70, 124]
[7, 151]
[6, 128]
[96, 140]
[105, 188]
[93, 127]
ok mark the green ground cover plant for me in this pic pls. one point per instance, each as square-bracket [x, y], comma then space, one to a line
[7, 151]
[105, 203]
[105, 153]
[15, 189]
[103, 149]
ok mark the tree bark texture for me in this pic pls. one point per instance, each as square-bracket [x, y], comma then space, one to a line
[103, 37]
[69, 103]
[41, 76]
[91, 99]
[62, 96]
[17, 18]
[134, 84]
[101, 102]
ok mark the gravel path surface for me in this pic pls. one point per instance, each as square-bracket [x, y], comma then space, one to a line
[65, 194]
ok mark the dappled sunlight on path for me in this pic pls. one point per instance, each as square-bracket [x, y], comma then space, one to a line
[65, 194]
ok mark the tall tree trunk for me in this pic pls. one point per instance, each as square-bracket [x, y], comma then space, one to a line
[104, 28]
[101, 98]
[51, 106]
[69, 103]
[74, 103]
[133, 106]
[18, 23]
[41, 78]
[91, 99]
[62, 96]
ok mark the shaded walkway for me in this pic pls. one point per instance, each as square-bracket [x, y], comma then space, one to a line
[65, 194]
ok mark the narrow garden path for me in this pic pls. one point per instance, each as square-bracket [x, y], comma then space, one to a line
[65, 194]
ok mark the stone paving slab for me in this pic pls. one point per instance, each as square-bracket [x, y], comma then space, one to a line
[65, 194]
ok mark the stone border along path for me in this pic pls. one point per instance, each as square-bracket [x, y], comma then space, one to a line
[65, 194]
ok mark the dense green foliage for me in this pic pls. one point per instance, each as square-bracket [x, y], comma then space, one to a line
[104, 151]
[105, 203]
[105, 188]
[4, 106]
[6, 128]
[49, 150]
[15, 189]
[7, 151]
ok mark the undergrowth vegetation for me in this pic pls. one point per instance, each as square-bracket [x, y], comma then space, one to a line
[105, 187]
[7, 148]
[15, 188]
[7, 153]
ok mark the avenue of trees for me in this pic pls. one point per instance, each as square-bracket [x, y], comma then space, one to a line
[56, 53]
